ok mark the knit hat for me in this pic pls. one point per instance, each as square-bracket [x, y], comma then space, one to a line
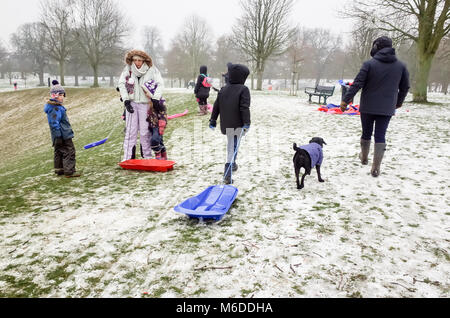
[380, 43]
[57, 89]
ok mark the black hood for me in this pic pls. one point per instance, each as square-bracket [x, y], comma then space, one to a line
[238, 73]
[203, 70]
[386, 55]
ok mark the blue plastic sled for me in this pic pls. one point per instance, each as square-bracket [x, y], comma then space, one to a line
[213, 203]
[95, 144]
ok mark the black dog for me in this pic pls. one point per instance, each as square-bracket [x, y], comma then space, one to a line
[311, 155]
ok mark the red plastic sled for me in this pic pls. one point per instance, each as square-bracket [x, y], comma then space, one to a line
[148, 165]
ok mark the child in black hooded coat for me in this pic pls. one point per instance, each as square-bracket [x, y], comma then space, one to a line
[233, 106]
[201, 91]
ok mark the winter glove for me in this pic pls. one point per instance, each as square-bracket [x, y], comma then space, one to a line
[246, 128]
[212, 124]
[129, 107]
[162, 125]
[58, 142]
[343, 106]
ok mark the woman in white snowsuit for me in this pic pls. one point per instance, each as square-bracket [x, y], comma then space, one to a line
[139, 70]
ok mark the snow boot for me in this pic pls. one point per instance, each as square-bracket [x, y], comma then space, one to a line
[235, 167]
[227, 174]
[380, 148]
[158, 156]
[364, 154]
[164, 155]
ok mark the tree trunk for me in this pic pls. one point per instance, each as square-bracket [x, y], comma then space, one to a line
[41, 77]
[61, 72]
[424, 62]
[2, 75]
[76, 80]
[252, 85]
[111, 81]
[95, 69]
[445, 87]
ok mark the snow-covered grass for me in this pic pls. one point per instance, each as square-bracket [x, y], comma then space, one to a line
[113, 233]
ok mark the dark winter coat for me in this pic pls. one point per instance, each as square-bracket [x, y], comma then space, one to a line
[58, 121]
[200, 90]
[233, 101]
[384, 81]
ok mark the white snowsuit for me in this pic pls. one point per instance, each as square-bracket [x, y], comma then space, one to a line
[136, 122]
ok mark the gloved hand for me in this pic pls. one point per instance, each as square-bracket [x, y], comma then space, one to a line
[246, 128]
[212, 124]
[162, 126]
[343, 106]
[58, 142]
[129, 107]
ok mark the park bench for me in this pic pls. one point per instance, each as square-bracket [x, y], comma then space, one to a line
[321, 91]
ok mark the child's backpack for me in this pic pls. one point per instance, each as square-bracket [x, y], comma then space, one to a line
[207, 81]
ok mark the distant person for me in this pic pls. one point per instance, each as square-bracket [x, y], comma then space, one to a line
[15, 86]
[139, 69]
[226, 76]
[61, 132]
[233, 107]
[201, 91]
[384, 81]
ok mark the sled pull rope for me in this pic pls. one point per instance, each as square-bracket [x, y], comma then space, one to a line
[234, 156]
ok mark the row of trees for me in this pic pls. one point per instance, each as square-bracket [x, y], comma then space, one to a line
[74, 34]
[78, 33]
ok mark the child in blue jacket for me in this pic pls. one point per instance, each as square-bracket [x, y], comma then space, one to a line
[61, 132]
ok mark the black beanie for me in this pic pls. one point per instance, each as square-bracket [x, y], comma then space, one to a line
[380, 43]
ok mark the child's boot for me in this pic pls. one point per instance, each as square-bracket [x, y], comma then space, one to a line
[227, 174]
[158, 156]
[164, 155]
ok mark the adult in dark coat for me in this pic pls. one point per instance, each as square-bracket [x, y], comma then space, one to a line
[226, 76]
[384, 81]
[201, 92]
[233, 106]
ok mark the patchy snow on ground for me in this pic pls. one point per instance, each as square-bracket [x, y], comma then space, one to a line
[353, 236]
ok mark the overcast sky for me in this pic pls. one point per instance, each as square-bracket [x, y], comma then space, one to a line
[168, 15]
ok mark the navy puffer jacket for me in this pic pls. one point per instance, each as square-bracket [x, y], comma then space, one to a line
[384, 81]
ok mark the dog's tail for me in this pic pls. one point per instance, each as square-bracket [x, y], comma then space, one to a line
[295, 147]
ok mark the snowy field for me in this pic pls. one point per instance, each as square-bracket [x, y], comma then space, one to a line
[353, 236]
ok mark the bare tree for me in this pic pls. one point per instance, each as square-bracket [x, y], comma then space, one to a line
[424, 21]
[153, 44]
[56, 18]
[177, 62]
[194, 39]
[29, 45]
[296, 56]
[263, 31]
[320, 47]
[100, 29]
[225, 52]
[440, 71]
[3, 56]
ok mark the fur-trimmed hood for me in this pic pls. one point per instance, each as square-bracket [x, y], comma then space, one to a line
[145, 56]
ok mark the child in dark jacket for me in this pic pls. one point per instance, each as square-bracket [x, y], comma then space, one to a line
[61, 132]
[157, 119]
[233, 106]
[202, 92]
